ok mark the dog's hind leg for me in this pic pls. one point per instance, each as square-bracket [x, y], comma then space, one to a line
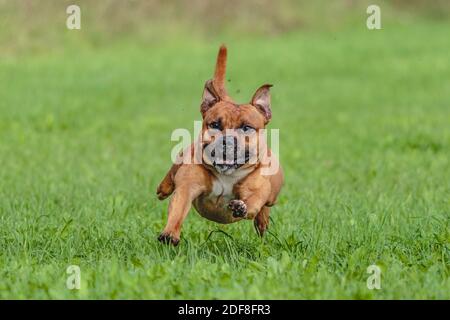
[167, 185]
[261, 221]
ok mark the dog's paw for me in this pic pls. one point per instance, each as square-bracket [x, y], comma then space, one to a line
[166, 238]
[161, 195]
[238, 207]
[164, 190]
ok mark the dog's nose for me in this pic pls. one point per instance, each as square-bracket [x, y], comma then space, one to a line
[229, 142]
[230, 146]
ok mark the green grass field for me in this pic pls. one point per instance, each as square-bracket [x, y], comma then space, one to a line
[364, 119]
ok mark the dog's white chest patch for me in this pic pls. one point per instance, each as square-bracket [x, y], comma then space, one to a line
[223, 185]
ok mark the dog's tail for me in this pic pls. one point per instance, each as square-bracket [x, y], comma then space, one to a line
[219, 74]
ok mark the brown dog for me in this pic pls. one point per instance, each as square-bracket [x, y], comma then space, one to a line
[222, 174]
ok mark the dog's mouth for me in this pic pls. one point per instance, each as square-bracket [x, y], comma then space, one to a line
[223, 166]
[227, 163]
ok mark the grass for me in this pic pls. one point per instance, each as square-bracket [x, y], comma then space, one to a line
[365, 137]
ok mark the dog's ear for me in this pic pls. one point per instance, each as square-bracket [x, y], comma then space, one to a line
[261, 100]
[210, 97]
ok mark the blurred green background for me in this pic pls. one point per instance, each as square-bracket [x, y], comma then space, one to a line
[28, 25]
[85, 123]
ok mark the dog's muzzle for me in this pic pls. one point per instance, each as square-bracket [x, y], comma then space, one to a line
[228, 155]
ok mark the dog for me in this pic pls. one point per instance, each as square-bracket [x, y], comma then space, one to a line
[222, 173]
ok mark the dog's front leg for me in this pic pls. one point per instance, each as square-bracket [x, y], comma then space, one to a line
[251, 201]
[189, 185]
[179, 207]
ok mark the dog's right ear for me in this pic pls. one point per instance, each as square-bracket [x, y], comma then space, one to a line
[210, 97]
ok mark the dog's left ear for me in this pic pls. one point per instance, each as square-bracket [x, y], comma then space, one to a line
[261, 100]
[210, 97]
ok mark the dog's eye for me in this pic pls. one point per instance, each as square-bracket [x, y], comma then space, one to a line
[247, 128]
[215, 125]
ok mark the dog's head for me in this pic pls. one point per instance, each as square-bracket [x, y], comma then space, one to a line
[231, 132]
